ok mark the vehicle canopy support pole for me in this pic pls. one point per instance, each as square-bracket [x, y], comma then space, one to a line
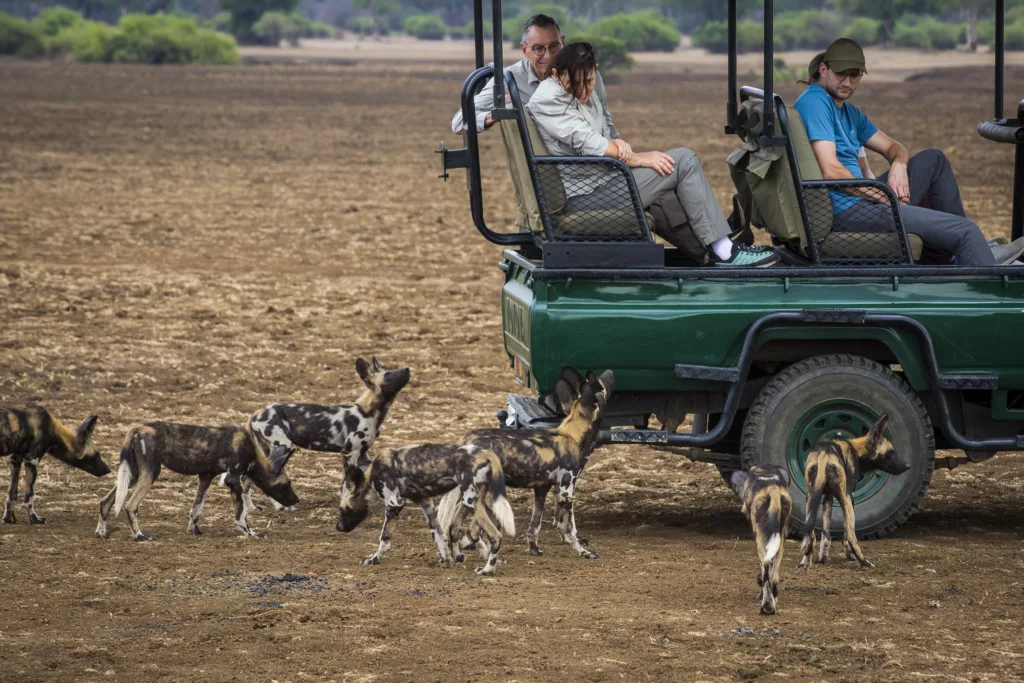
[768, 136]
[478, 31]
[1017, 222]
[499, 65]
[730, 107]
[1000, 47]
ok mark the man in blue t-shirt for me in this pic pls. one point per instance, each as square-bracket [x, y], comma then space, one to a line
[837, 131]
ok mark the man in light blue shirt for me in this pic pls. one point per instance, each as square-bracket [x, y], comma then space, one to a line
[837, 130]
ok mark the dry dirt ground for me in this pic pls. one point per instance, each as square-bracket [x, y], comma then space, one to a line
[193, 243]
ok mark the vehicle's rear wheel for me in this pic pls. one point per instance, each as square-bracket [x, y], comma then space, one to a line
[840, 396]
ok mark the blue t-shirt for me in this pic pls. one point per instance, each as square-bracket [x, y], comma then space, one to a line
[846, 126]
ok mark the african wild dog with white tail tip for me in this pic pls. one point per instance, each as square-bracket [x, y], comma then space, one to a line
[202, 451]
[764, 490]
[418, 473]
[540, 459]
[832, 470]
[346, 429]
[28, 435]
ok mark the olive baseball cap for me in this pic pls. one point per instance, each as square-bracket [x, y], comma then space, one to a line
[812, 68]
[843, 55]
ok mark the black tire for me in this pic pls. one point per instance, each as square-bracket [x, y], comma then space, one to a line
[807, 393]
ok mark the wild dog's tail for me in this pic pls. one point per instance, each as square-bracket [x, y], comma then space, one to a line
[124, 472]
[769, 516]
[499, 502]
[447, 508]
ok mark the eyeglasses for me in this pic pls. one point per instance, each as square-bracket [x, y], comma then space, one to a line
[539, 50]
[852, 76]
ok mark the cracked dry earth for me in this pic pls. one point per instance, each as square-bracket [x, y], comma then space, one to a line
[193, 243]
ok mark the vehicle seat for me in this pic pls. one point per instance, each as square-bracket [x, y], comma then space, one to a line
[765, 182]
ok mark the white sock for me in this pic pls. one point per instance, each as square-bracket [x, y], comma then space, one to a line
[723, 248]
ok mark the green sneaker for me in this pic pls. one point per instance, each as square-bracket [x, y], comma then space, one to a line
[747, 257]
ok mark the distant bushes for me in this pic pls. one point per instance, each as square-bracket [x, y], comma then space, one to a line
[425, 26]
[273, 27]
[928, 33]
[368, 26]
[645, 31]
[138, 38]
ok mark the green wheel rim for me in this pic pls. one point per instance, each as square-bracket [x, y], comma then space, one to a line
[838, 418]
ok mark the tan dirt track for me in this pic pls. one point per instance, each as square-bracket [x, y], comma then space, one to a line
[192, 243]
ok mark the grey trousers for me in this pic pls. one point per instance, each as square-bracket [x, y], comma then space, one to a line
[944, 226]
[686, 187]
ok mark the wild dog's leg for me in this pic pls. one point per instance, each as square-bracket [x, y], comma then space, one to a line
[12, 492]
[760, 581]
[850, 543]
[769, 590]
[391, 513]
[468, 540]
[106, 503]
[540, 495]
[247, 495]
[483, 518]
[132, 507]
[810, 521]
[31, 470]
[567, 518]
[435, 529]
[197, 506]
[826, 529]
[235, 486]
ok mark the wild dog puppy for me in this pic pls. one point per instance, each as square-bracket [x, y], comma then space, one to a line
[418, 473]
[27, 435]
[540, 459]
[202, 451]
[346, 429]
[764, 490]
[832, 470]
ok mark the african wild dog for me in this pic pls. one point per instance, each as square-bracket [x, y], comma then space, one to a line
[27, 435]
[764, 490]
[832, 470]
[346, 429]
[541, 458]
[418, 473]
[202, 451]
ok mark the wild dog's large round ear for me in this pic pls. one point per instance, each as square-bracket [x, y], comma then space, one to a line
[877, 433]
[365, 373]
[84, 432]
[565, 395]
[573, 377]
[376, 366]
[279, 458]
[784, 476]
[607, 379]
[737, 481]
[588, 398]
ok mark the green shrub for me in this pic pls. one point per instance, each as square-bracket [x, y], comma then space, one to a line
[1013, 36]
[864, 30]
[362, 25]
[425, 26]
[218, 22]
[928, 33]
[89, 42]
[273, 27]
[53, 20]
[640, 31]
[212, 47]
[907, 35]
[611, 54]
[714, 37]
[806, 30]
[320, 29]
[19, 37]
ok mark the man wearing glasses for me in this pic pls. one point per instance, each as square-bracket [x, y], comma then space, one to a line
[837, 130]
[542, 39]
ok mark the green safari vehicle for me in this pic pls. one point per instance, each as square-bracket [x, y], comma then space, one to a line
[765, 361]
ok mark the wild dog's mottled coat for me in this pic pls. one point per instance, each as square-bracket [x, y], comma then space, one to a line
[418, 473]
[346, 429]
[539, 459]
[28, 435]
[202, 451]
[764, 490]
[832, 470]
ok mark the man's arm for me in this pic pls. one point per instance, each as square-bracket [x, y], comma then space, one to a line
[898, 157]
[832, 169]
[603, 96]
[484, 101]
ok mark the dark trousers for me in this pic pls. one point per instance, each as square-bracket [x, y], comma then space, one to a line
[944, 226]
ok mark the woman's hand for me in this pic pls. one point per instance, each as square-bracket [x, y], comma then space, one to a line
[625, 151]
[660, 162]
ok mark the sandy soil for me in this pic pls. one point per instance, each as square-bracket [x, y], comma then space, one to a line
[191, 244]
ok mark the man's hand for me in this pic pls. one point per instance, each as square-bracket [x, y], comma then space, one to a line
[900, 182]
[625, 151]
[489, 121]
[659, 161]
